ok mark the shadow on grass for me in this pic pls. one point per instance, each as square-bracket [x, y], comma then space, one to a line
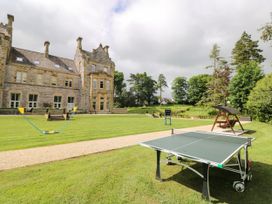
[259, 190]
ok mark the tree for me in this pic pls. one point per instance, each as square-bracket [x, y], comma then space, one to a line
[218, 85]
[161, 83]
[126, 99]
[198, 87]
[118, 83]
[179, 87]
[259, 102]
[214, 56]
[266, 31]
[119, 89]
[143, 87]
[243, 82]
[246, 50]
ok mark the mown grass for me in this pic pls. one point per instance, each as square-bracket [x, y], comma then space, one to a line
[16, 133]
[127, 176]
[184, 111]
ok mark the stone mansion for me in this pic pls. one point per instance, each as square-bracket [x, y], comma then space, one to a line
[37, 80]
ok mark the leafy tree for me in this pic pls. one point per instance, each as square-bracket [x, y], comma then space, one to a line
[119, 84]
[198, 87]
[119, 89]
[143, 87]
[259, 102]
[243, 82]
[218, 85]
[161, 83]
[126, 99]
[246, 50]
[266, 31]
[179, 87]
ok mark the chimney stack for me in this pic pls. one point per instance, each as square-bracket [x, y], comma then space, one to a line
[106, 49]
[46, 48]
[79, 43]
[10, 21]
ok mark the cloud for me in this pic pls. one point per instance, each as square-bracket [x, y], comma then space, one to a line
[157, 36]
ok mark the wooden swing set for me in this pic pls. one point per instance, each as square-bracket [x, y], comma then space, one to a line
[226, 118]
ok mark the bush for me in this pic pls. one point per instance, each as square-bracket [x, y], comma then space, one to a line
[259, 103]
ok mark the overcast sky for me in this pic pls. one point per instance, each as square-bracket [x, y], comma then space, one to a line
[173, 37]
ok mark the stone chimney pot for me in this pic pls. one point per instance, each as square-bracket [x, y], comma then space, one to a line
[79, 43]
[106, 49]
[46, 48]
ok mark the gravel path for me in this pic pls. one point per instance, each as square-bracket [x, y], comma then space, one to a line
[26, 157]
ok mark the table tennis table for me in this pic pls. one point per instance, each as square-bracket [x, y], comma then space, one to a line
[211, 149]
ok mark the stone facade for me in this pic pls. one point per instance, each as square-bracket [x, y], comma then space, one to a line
[36, 80]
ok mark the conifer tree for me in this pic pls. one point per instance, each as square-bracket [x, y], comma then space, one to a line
[246, 50]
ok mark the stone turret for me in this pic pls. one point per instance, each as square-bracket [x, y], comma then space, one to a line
[5, 47]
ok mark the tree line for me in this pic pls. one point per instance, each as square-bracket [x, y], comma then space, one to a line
[239, 82]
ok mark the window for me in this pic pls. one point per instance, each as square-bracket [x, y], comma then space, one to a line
[39, 79]
[19, 59]
[32, 100]
[53, 81]
[93, 67]
[57, 102]
[70, 68]
[101, 84]
[68, 83]
[94, 103]
[70, 99]
[94, 84]
[105, 69]
[57, 65]
[36, 62]
[108, 85]
[101, 103]
[21, 77]
[14, 100]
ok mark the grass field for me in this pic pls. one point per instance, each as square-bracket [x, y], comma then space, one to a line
[184, 111]
[16, 133]
[127, 176]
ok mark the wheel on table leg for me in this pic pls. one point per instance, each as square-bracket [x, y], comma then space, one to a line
[249, 176]
[239, 186]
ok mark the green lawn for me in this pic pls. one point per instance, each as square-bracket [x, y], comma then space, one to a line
[127, 176]
[16, 133]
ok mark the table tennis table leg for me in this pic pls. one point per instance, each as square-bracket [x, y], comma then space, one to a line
[206, 187]
[158, 171]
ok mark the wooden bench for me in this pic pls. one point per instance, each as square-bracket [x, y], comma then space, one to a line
[57, 115]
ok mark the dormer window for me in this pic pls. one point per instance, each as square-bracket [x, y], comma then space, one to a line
[105, 69]
[19, 59]
[68, 83]
[57, 65]
[70, 68]
[36, 62]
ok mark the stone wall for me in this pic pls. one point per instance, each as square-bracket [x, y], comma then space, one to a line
[44, 89]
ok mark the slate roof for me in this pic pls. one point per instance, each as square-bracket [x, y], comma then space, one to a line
[51, 62]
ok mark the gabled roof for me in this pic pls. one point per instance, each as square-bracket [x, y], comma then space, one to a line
[37, 59]
[99, 55]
